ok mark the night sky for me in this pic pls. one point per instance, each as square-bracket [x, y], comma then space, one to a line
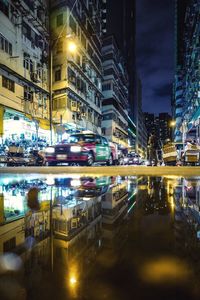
[155, 52]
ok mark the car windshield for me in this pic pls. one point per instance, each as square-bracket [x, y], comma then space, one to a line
[87, 138]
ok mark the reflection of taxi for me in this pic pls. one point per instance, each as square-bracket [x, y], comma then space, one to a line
[82, 149]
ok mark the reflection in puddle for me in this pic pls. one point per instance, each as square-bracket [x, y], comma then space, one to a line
[72, 237]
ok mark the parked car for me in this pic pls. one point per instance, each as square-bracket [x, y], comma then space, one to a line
[16, 156]
[132, 159]
[82, 149]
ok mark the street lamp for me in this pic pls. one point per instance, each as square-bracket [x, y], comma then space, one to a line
[72, 47]
[172, 123]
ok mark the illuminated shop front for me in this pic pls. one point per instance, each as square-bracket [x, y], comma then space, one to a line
[23, 129]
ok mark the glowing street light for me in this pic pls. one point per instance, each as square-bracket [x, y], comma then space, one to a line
[72, 47]
[172, 123]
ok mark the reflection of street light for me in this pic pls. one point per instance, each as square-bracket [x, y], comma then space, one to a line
[50, 181]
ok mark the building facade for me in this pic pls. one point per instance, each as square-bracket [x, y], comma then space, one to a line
[141, 131]
[149, 123]
[115, 94]
[77, 28]
[125, 34]
[24, 88]
[159, 125]
[187, 92]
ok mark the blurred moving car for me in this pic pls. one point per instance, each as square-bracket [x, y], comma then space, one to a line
[82, 149]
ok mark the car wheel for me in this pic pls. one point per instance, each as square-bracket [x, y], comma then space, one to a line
[90, 159]
[110, 161]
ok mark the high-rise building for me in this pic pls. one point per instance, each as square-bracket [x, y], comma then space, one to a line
[115, 94]
[159, 125]
[149, 123]
[141, 131]
[164, 127]
[77, 28]
[24, 88]
[186, 92]
[123, 26]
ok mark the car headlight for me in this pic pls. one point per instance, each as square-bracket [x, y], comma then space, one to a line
[125, 159]
[50, 150]
[135, 159]
[75, 149]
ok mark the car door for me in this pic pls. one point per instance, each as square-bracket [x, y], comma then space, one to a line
[102, 149]
[106, 149]
[99, 148]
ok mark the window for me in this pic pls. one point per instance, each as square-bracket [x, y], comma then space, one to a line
[83, 40]
[105, 142]
[103, 130]
[5, 45]
[78, 59]
[72, 24]
[108, 116]
[71, 76]
[106, 87]
[87, 138]
[9, 245]
[98, 140]
[58, 75]
[28, 93]
[59, 47]
[59, 103]
[4, 7]
[28, 63]
[8, 84]
[59, 20]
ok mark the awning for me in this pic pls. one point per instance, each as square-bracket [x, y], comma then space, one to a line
[43, 123]
[196, 115]
[1, 119]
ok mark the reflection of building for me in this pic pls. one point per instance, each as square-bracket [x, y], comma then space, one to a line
[24, 98]
[77, 71]
[187, 216]
[17, 223]
[157, 201]
[114, 207]
[115, 93]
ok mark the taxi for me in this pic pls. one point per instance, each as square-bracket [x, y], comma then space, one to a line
[81, 149]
